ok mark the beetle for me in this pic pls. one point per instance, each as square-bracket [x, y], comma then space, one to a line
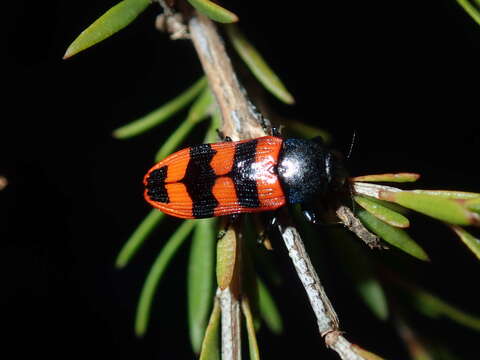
[234, 177]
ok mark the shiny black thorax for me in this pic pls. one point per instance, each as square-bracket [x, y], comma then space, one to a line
[308, 169]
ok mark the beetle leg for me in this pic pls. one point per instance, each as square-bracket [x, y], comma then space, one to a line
[265, 235]
[309, 213]
[228, 223]
[276, 131]
[222, 136]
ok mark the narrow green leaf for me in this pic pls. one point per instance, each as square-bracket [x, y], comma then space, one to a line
[414, 343]
[226, 258]
[200, 277]
[468, 239]
[115, 19]
[383, 213]
[359, 267]
[212, 136]
[392, 206]
[214, 11]
[268, 309]
[309, 131]
[473, 205]
[394, 236]
[137, 238]
[471, 9]
[435, 307]
[438, 207]
[257, 65]
[367, 355]
[164, 112]
[198, 112]
[396, 177]
[252, 338]
[449, 194]
[210, 345]
[155, 274]
[372, 293]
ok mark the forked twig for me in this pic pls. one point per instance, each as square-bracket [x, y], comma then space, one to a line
[242, 121]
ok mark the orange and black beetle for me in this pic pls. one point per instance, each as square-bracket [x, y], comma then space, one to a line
[233, 177]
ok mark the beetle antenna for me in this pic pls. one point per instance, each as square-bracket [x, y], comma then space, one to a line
[350, 189]
[351, 145]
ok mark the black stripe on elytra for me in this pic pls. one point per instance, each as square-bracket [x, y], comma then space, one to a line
[243, 176]
[199, 180]
[156, 185]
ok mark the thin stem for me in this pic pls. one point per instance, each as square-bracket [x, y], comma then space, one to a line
[240, 118]
[327, 320]
[322, 307]
[231, 335]
[242, 121]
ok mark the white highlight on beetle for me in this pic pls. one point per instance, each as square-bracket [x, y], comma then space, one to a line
[264, 171]
[290, 168]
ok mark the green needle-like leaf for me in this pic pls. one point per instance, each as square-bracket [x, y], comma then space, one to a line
[163, 113]
[473, 205]
[435, 307]
[468, 239]
[471, 9]
[214, 11]
[115, 19]
[137, 238]
[449, 194]
[252, 338]
[226, 258]
[367, 355]
[258, 65]
[268, 309]
[438, 207]
[198, 112]
[392, 206]
[397, 177]
[210, 345]
[383, 213]
[200, 280]
[212, 136]
[359, 267]
[373, 295]
[155, 274]
[394, 236]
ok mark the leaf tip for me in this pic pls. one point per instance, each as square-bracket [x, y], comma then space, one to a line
[68, 54]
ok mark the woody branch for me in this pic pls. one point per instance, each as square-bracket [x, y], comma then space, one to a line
[242, 121]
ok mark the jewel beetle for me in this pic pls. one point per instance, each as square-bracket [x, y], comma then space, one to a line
[246, 176]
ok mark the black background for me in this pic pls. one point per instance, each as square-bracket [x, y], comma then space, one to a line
[403, 75]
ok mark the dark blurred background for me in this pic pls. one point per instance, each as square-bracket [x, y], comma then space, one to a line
[404, 76]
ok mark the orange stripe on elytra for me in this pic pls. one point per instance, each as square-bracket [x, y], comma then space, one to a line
[270, 192]
[222, 161]
[225, 193]
[180, 203]
[177, 164]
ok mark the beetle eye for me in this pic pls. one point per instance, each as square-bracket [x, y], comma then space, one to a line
[335, 170]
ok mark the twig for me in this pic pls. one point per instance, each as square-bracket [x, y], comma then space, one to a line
[354, 225]
[327, 320]
[242, 121]
[231, 335]
[326, 317]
